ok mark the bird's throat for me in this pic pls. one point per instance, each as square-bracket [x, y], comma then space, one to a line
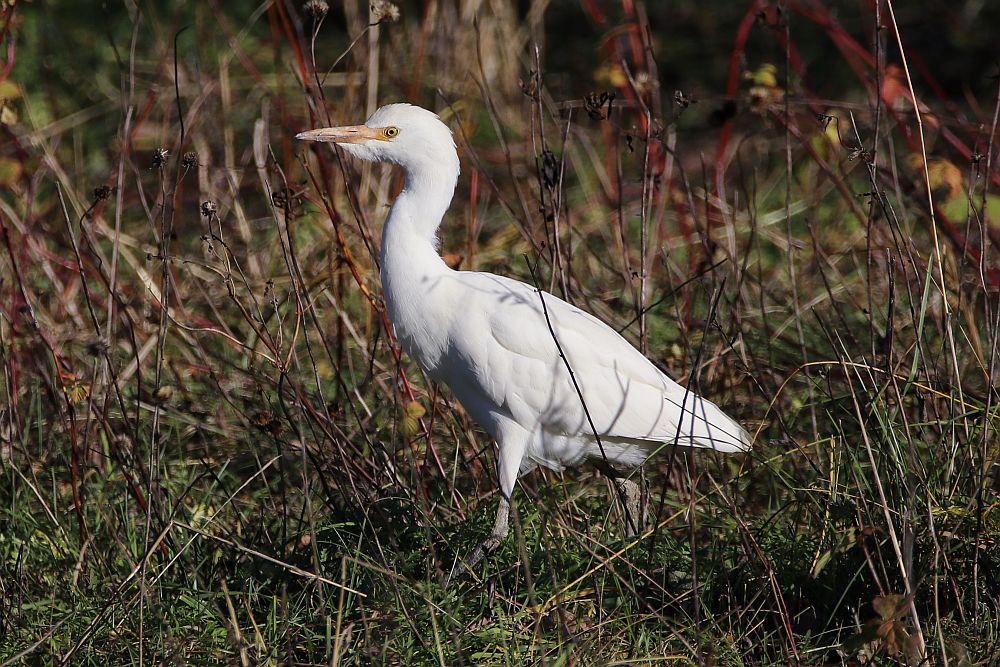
[415, 279]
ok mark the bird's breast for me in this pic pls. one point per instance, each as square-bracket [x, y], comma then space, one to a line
[420, 317]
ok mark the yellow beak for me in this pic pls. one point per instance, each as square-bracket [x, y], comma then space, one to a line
[348, 134]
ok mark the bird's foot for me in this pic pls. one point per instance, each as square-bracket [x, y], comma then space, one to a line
[500, 529]
[467, 564]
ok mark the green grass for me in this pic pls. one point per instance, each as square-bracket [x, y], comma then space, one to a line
[256, 479]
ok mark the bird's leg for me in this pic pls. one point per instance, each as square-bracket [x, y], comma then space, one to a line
[511, 445]
[629, 492]
[501, 527]
[510, 450]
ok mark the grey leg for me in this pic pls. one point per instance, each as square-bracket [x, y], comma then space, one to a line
[629, 493]
[501, 527]
[635, 508]
[512, 442]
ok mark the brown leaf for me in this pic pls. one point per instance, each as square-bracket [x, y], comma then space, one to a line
[885, 605]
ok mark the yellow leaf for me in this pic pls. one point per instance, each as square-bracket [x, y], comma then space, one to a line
[78, 393]
[610, 75]
[408, 426]
[10, 171]
[945, 174]
[7, 115]
[832, 129]
[409, 422]
[766, 75]
[415, 409]
[9, 90]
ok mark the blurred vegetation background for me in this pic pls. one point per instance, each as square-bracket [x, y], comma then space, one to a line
[213, 452]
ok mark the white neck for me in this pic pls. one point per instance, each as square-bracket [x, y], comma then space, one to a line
[414, 277]
[413, 221]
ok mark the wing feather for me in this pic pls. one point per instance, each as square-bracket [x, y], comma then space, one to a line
[519, 367]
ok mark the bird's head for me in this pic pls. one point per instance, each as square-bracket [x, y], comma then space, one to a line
[402, 134]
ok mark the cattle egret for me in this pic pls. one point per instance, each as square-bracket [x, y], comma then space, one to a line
[553, 385]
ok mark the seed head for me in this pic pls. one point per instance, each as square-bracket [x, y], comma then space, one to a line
[383, 10]
[279, 199]
[190, 159]
[594, 105]
[208, 208]
[682, 99]
[160, 157]
[316, 10]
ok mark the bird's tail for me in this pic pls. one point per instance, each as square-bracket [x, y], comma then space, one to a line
[704, 425]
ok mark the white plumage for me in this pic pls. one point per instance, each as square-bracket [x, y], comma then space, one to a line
[487, 337]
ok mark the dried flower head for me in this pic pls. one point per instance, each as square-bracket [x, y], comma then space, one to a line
[683, 100]
[102, 192]
[530, 87]
[550, 169]
[279, 199]
[266, 421]
[383, 10]
[316, 10]
[96, 346]
[856, 152]
[190, 159]
[208, 208]
[594, 105]
[160, 157]
[285, 198]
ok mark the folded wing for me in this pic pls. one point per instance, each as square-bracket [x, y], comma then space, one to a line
[526, 373]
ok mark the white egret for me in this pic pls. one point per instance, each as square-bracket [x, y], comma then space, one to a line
[553, 385]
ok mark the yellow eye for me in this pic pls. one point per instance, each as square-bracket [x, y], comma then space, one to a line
[390, 132]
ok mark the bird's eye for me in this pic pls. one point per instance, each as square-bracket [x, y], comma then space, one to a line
[390, 132]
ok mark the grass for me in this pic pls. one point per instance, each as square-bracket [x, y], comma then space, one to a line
[255, 475]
